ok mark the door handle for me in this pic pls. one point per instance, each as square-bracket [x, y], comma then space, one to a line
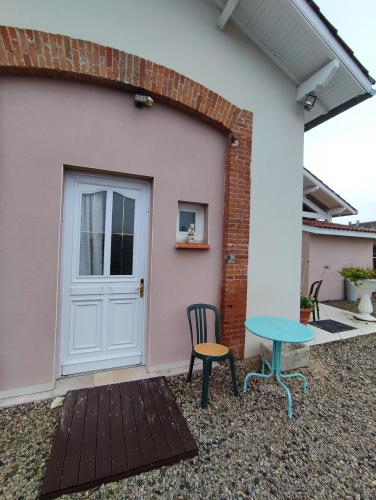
[141, 288]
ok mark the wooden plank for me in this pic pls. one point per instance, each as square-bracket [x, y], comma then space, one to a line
[145, 439]
[112, 432]
[118, 454]
[170, 430]
[177, 417]
[159, 438]
[132, 446]
[89, 441]
[103, 453]
[69, 477]
[55, 463]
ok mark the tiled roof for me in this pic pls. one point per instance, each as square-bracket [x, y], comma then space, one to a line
[332, 225]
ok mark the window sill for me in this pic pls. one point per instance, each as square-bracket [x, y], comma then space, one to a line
[191, 246]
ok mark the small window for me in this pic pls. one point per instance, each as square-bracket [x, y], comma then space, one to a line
[190, 216]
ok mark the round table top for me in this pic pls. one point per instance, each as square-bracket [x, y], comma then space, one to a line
[281, 329]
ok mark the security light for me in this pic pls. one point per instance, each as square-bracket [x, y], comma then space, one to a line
[142, 100]
[309, 101]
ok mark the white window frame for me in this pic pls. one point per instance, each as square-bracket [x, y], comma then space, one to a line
[199, 210]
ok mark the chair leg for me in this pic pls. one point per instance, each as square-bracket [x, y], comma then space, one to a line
[318, 310]
[189, 377]
[210, 367]
[233, 375]
[313, 312]
[205, 384]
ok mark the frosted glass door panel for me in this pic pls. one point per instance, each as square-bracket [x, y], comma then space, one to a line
[92, 231]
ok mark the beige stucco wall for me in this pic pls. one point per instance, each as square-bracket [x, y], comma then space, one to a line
[45, 124]
[335, 252]
[183, 35]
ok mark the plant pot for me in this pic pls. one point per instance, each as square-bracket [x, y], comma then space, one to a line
[365, 288]
[305, 314]
[352, 293]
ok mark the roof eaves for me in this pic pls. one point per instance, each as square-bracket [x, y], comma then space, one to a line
[332, 190]
[339, 39]
[336, 230]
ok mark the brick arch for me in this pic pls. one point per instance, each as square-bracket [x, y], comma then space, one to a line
[44, 54]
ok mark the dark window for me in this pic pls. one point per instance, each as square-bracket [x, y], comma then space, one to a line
[185, 219]
[122, 235]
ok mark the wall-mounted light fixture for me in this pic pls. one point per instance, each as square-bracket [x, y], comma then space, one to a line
[309, 101]
[142, 100]
[235, 142]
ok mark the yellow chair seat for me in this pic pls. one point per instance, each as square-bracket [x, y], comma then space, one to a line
[210, 349]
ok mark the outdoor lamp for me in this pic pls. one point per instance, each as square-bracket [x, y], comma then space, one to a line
[309, 101]
[142, 100]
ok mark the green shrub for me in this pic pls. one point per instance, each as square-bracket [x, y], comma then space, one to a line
[356, 274]
[306, 302]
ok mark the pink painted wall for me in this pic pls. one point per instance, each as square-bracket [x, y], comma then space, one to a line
[47, 123]
[335, 252]
[305, 263]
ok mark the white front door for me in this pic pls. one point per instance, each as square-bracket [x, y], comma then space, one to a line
[105, 249]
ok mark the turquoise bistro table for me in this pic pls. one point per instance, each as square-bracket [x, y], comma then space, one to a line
[278, 330]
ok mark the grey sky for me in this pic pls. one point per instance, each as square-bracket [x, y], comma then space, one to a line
[342, 151]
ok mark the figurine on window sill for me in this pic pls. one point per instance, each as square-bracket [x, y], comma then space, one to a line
[191, 233]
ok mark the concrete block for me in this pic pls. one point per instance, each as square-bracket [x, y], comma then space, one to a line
[293, 355]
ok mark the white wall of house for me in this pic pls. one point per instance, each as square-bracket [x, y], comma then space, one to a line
[183, 35]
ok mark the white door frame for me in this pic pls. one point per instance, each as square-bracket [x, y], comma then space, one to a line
[67, 240]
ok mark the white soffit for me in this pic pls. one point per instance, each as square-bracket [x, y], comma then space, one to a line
[292, 34]
[321, 195]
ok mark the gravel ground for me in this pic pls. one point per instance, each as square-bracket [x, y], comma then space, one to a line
[247, 446]
[349, 306]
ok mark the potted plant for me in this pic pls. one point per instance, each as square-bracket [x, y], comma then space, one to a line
[306, 307]
[364, 278]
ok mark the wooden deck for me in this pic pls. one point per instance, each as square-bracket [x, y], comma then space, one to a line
[114, 431]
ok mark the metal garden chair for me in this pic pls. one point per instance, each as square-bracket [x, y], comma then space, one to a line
[207, 351]
[314, 294]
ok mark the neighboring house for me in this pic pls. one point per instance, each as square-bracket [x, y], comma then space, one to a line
[97, 195]
[327, 246]
[369, 225]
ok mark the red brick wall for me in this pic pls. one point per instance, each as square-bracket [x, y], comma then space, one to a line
[44, 54]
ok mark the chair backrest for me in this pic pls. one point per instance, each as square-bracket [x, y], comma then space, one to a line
[198, 322]
[314, 290]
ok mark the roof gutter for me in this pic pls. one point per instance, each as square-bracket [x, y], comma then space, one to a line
[339, 232]
[311, 14]
[337, 110]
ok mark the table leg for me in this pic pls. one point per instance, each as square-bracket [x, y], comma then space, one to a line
[299, 375]
[278, 355]
[275, 369]
[263, 364]
[260, 375]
